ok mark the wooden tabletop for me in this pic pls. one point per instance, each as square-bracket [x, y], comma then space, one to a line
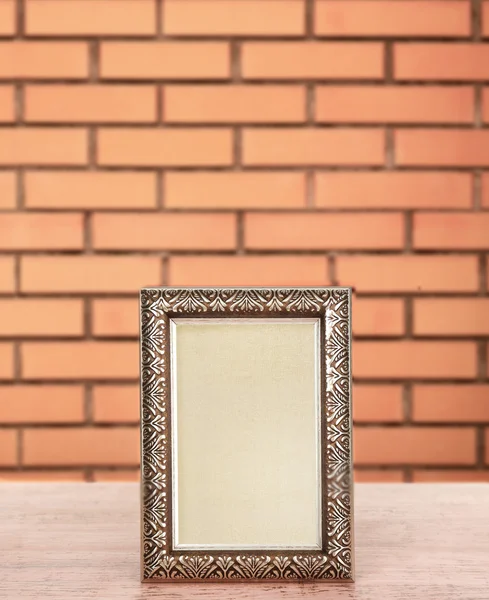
[413, 541]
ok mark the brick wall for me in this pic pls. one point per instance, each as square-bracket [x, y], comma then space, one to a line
[270, 142]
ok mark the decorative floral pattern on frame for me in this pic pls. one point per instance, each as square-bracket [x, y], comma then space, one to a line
[159, 561]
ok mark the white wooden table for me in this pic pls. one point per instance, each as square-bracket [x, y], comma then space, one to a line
[413, 541]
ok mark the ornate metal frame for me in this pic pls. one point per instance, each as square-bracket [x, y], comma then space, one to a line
[159, 561]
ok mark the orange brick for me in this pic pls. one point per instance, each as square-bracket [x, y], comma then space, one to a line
[41, 146]
[6, 360]
[116, 404]
[89, 190]
[461, 231]
[89, 274]
[90, 103]
[81, 446]
[442, 147]
[234, 17]
[485, 18]
[235, 103]
[8, 448]
[292, 146]
[414, 360]
[32, 317]
[51, 475]
[80, 360]
[7, 274]
[487, 446]
[165, 60]
[8, 17]
[378, 316]
[451, 403]
[451, 316]
[234, 190]
[170, 231]
[449, 476]
[324, 231]
[7, 103]
[402, 18]
[377, 403]
[170, 147]
[393, 190]
[378, 476]
[312, 60]
[8, 190]
[414, 445]
[442, 61]
[394, 104]
[115, 317]
[394, 274]
[485, 190]
[43, 60]
[41, 404]
[248, 270]
[41, 231]
[97, 17]
[117, 476]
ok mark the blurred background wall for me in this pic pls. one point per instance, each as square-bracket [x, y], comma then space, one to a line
[268, 142]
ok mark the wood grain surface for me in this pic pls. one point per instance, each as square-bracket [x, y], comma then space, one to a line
[63, 541]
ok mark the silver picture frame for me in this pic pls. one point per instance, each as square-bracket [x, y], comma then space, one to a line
[163, 557]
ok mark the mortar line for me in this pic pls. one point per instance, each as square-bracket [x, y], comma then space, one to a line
[237, 149]
[482, 354]
[309, 19]
[310, 110]
[93, 60]
[476, 20]
[483, 282]
[160, 181]
[407, 403]
[159, 18]
[92, 149]
[389, 62]
[480, 447]
[408, 231]
[331, 269]
[477, 190]
[165, 268]
[20, 19]
[235, 61]
[389, 149]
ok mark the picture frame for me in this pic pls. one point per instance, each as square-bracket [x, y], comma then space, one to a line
[191, 336]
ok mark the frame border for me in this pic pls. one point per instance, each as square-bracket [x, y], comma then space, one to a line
[159, 561]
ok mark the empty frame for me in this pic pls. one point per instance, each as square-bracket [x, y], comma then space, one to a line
[246, 434]
[245, 431]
